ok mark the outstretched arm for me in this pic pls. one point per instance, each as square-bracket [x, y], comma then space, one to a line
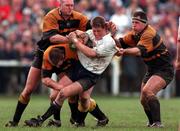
[130, 51]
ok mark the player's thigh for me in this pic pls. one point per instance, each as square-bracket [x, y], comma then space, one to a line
[33, 80]
[154, 84]
[86, 94]
[64, 80]
[72, 89]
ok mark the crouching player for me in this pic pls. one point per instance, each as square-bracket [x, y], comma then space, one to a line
[93, 60]
[59, 59]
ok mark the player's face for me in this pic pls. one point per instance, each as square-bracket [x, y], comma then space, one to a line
[137, 26]
[67, 7]
[60, 63]
[61, 60]
[99, 32]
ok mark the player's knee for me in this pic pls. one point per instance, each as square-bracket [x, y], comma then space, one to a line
[62, 94]
[84, 104]
[83, 107]
[52, 97]
[146, 92]
[84, 100]
[73, 99]
[28, 90]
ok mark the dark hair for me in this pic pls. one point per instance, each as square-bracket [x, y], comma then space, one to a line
[56, 54]
[98, 21]
[140, 16]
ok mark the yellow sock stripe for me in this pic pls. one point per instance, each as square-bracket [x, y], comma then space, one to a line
[23, 99]
[81, 108]
[92, 105]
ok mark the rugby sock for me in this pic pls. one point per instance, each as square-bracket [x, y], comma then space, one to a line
[56, 114]
[149, 115]
[155, 109]
[19, 111]
[97, 113]
[81, 116]
[54, 108]
[74, 109]
[95, 110]
[21, 106]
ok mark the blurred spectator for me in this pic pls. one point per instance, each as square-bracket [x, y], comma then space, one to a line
[118, 16]
[83, 7]
[100, 11]
[5, 9]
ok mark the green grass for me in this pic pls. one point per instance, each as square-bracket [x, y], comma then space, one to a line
[125, 114]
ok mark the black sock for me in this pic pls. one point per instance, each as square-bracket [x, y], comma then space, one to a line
[54, 108]
[149, 116]
[74, 109]
[155, 109]
[19, 111]
[81, 116]
[57, 114]
[97, 113]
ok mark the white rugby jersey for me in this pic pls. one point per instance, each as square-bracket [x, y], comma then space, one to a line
[105, 49]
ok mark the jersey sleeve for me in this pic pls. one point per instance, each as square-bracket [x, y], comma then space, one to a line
[127, 40]
[50, 26]
[46, 73]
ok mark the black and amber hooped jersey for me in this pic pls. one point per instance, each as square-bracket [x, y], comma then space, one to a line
[48, 68]
[150, 44]
[54, 23]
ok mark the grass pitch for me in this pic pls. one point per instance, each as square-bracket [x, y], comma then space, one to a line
[125, 114]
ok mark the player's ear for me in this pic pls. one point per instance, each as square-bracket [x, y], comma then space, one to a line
[107, 26]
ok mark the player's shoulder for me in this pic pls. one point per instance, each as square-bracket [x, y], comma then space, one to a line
[108, 37]
[149, 32]
[108, 40]
[52, 12]
[79, 15]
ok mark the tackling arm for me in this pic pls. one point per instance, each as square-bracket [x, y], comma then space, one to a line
[131, 51]
[51, 83]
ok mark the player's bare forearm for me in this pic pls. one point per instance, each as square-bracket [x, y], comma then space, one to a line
[51, 83]
[132, 51]
[81, 46]
[84, 49]
[57, 39]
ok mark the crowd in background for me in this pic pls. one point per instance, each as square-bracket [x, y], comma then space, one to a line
[20, 28]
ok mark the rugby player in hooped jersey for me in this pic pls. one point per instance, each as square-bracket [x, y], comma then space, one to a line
[145, 42]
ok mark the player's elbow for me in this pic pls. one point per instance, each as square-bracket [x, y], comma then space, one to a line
[91, 54]
[53, 39]
[45, 80]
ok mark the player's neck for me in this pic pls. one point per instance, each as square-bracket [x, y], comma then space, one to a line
[64, 16]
